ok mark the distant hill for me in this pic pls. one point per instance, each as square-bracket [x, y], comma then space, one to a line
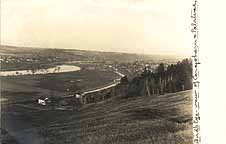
[75, 54]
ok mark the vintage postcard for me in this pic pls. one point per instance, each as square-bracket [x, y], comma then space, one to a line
[99, 72]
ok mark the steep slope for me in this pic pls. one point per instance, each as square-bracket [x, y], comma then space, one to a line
[163, 119]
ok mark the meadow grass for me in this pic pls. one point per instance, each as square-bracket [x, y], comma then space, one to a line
[165, 119]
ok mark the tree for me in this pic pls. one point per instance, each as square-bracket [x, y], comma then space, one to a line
[124, 80]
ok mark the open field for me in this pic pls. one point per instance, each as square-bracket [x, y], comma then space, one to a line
[22, 88]
[164, 119]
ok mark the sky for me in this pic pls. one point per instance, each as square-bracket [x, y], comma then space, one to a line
[134, 26]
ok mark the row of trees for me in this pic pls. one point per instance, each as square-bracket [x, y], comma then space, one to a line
[166, 79]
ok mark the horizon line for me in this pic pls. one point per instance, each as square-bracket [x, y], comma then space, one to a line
[103, 51]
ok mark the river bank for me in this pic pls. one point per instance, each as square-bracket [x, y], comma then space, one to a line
[56, 69]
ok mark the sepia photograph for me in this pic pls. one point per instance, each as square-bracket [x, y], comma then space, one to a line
[98, 72]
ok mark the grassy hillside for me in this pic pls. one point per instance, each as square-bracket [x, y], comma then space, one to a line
[164, 119]
[6, 138]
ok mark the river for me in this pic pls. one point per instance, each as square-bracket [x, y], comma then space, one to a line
[56, 69]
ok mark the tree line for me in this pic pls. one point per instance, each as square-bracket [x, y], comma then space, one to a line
[165, 79]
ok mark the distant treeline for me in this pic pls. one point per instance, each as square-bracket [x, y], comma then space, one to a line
[165, 79]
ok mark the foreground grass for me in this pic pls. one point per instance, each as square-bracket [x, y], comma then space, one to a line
[6, 138]
[165, 119]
